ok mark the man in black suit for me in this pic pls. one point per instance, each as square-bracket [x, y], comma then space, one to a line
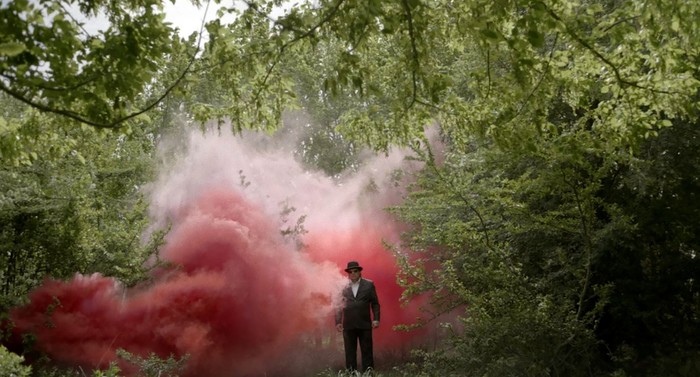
[354, 320]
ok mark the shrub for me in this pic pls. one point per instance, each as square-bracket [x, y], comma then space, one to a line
[11, 364]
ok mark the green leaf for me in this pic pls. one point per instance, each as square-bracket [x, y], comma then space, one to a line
[675, 24]
[12, 48]
[143, 118]
[535, 38]
[490, 34]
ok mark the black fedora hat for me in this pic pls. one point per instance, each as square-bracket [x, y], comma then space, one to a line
[352, 265]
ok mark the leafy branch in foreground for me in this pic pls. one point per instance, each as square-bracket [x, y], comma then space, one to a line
[154, 366]
[50, 62]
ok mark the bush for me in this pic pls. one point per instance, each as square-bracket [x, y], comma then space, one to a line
[11, 364]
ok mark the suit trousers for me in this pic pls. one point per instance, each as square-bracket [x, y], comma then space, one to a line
[351, 339]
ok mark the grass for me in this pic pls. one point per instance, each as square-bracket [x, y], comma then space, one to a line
[346, 373]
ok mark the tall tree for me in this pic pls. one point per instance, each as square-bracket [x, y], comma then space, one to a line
[71, 200]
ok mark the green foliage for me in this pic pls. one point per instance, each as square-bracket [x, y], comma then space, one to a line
[44, 369]
[560, 221]
[113, 371]
[237, 84]
[354, 373]
[652, 267]
[547, 109]
[471, 214]
[556, 256]
[51, 62]
[77, 208]
[154, 366]
[492, 68]
[11, 364]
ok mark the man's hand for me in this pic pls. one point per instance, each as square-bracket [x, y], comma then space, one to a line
[375, 324]
[339, 327]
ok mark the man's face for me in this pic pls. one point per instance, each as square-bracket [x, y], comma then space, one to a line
[354, 274]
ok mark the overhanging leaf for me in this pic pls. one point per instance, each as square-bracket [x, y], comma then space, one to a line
[12, 48]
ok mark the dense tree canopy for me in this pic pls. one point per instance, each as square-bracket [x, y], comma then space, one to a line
[52, 63]
[557, 216]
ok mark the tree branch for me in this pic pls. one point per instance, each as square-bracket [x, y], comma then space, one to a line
[600, 56]
[54, 88]
[539, 82]
[588, 245]
[414, 51]
[488, 70]
[80, 25]
[458, 193]
[117, 122]
[326, 18]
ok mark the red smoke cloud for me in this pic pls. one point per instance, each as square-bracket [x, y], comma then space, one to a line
[364, 244]
[241, 299]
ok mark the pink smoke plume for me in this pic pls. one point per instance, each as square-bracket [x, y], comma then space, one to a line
[243, 299]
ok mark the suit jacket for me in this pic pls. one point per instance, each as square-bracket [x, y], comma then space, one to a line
[355, 312]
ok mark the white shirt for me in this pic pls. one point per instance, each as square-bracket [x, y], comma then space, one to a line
[355, 286]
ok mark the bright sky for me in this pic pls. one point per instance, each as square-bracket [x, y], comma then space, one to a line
[183, 15]
[187, 17]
